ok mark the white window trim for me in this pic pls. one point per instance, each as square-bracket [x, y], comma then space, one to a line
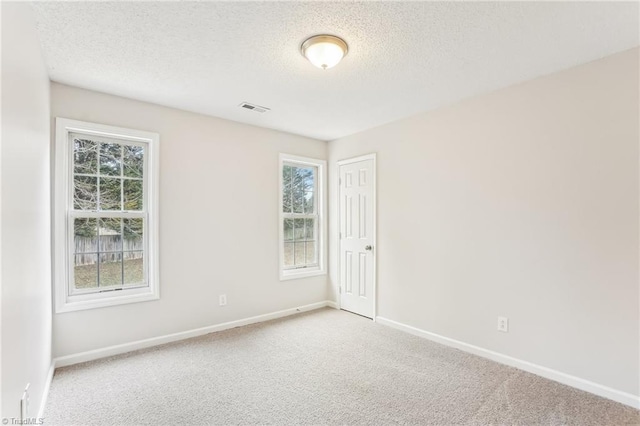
[62, 183]
[292, 274]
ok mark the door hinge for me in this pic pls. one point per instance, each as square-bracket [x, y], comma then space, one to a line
[340, 289]
[339, 181]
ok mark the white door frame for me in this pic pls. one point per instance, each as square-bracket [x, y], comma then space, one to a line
[372, 157]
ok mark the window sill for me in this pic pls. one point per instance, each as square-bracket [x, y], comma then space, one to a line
[71, 305]
[294, 274]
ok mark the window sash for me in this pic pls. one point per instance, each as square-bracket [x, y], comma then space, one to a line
[96, 137]
[106, 289]
[106, 140]
[315, 240]
[299, 216]
[128, 214]
[315, 187]
[72, 216]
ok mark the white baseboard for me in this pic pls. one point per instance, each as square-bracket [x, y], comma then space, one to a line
[332, 304]
[548, 373]
[160, 340]
[45, 391]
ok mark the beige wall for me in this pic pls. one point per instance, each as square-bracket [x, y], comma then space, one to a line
[218, 224]
[521, 203]
[25, 311]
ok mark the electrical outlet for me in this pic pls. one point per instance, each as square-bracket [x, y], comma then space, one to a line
[503, 324]
[24, 404]
[223, 300]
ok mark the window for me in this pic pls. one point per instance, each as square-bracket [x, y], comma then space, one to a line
[106, 232]
[302, 231]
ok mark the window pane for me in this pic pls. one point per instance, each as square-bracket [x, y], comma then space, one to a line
[298, 229]
[133, 234]
[133, 161]
[309, 176]
[306, 176]
[85, 193]
[288, 255]
[286, 174]
[286, 189]
[110, 159]
[299, 254]
[311, 258]
[288, 229]
[133, 268]
[132, 191]
[309, 229]
[297, 191]
[309, 188]
[85, 271]
[110, 269]
[308, 202]
[287, 200]
[85, 156]
[110, 234]
[85, 235]
[110, 193]
[297, 199]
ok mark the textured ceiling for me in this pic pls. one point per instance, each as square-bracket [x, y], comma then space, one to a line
[404, 57]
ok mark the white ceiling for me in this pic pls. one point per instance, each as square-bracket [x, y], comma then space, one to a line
[404, 57]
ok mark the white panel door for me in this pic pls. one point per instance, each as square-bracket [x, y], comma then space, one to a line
[357, 236]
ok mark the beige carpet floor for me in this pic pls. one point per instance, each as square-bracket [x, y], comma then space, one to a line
[323, 367]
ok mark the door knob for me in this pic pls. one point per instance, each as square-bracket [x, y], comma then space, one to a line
[368, 248]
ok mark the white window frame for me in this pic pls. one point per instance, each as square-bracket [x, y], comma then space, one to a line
[321, 206]
[63, 235]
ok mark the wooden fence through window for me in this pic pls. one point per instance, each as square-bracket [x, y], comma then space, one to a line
[112, 248]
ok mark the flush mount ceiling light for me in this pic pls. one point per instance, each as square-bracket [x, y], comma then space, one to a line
[324, 51]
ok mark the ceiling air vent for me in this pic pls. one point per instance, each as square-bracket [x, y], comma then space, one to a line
[255, 108]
